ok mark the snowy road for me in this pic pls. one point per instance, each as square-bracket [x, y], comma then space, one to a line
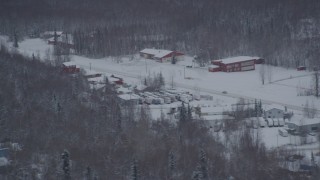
[191, 87]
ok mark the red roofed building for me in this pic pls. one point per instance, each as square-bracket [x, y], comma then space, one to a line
[161, 55]
[70, 68]
[235, 64]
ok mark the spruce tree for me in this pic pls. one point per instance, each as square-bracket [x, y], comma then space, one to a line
[189, 113]
[88, 173]
[203, 164]
[161, 80]
[172, 161]
[66, 165]
[196, 174]
[256, 109]
[145, 82]
[183, 114]
[55, 38]
[15, 40]
[134, 170]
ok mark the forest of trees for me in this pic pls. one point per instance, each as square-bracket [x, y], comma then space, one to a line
[284, 32]
[67, 131]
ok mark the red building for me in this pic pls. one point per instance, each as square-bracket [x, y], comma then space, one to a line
[301, 68]
[70, 68]
[161, 55]
[236, 64]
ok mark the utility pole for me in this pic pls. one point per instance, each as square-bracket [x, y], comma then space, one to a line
[90, 66]
[184, 72]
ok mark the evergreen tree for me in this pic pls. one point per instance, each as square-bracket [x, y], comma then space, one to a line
[145, 82]
[134, 170]
[172, 162]
[189, 113]
[256, 109]
[161, 80]
[198, 111]
[118, 118]
[312, 159]
[55, 37]
[183, 113]
[66, 165]
[196, 174]
[174, 60]
[15, 40]
[88, 173]
[260, 110]
[203, 164]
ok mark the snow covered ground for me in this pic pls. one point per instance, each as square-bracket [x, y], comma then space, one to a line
[248, 85]
[236, 84]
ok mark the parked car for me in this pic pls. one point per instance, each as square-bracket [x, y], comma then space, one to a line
[269, 122]
[275, 122]
[283, 132]
[312, 133]
[262, 123]
[281, 122]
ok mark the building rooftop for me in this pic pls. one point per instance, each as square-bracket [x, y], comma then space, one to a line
[213, 66]
[304, 121]
[129, 97]
[158, 53]
[236, 59]
[69, 64]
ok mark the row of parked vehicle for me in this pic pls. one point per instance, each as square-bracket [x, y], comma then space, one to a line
[256, 122]
[166, 97]
[275, 122]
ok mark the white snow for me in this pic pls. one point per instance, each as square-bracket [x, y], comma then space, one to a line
[158, 53]
[68, 64]
[35, 46]
[298, 120]
[129, 97]
[237, 59]
[245, 85]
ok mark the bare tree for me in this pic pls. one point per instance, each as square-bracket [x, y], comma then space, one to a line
[262, 73]
[269, 73]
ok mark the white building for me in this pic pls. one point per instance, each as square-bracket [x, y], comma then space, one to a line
[274, 113]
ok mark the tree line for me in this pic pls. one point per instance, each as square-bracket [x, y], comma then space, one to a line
[284, 32]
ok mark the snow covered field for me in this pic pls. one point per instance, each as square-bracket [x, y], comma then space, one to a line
[237, 84]
[248, 85]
